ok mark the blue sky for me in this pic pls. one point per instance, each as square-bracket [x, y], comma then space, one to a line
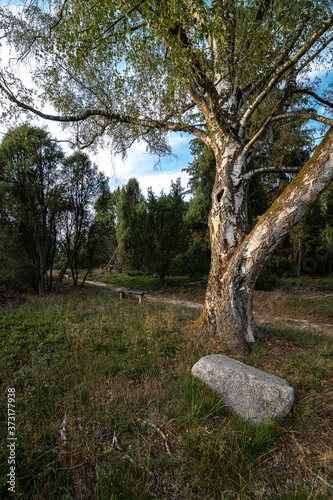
[141, 165]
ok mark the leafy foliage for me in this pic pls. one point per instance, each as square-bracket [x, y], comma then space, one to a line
[46, 206]
[82, 186]
[30, 197]
[152, 233]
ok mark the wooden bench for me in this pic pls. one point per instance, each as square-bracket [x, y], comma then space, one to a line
[132, 292]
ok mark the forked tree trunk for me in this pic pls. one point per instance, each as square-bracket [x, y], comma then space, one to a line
[237, 258]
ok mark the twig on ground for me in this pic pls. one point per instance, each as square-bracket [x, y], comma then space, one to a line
[63, 436]
[114, 443]
[157, 429]
[145, 408]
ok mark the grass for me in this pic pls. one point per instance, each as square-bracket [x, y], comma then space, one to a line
[313, 284]
[309, 306]
[115, 376]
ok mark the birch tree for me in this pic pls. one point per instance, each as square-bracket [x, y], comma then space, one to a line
[228, 72]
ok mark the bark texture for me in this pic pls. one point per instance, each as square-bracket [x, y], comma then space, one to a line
[237, 258]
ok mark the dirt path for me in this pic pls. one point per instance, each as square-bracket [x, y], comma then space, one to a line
[259, 317]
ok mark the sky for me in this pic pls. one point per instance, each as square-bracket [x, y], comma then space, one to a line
[142, 165]
[138, 162]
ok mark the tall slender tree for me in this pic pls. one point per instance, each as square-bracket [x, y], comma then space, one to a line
[29, 196]
[129, 198]
[82, 185]
[226, 71]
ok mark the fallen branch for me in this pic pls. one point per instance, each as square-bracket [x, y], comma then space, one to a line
[318, 295]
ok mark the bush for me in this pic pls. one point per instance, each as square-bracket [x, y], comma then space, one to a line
[266, 280]
[276, 265]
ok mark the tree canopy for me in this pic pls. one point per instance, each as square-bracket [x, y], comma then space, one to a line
[46, 204]
[138, 69]
[30, 203]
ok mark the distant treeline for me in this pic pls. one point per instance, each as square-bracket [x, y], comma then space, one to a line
[58, 212]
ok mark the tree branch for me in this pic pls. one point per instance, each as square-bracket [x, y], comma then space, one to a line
[280, 59]
[199, 99]
[280, 72]
[262, 9]
[281, 107]
[271, 170]
[305, 115]
[316, 96]
[174, 36]
[110, 117]
[315, 54]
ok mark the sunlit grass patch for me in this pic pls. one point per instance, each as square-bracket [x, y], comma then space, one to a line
[304, 358]
[311, 306]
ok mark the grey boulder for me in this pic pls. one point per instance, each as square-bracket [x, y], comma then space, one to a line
[253, 394]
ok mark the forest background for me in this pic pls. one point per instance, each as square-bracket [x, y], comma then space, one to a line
[58, 212]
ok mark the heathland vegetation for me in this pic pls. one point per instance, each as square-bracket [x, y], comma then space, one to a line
[106, 406]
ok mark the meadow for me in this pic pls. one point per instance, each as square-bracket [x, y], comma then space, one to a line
[106, 407]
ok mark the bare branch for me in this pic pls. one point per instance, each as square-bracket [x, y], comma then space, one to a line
[316, 96]
[271, 170]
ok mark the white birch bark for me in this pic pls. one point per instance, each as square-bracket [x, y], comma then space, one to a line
[237, 258]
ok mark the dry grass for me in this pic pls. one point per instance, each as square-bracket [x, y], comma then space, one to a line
[116, 377]
[303, 306]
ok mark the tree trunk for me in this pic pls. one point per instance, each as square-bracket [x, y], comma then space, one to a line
[42, 269]
[237, 258]
[63, 270]
[225, 309]
[85, 276]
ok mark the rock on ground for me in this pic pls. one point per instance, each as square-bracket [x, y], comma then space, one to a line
[253, 394]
